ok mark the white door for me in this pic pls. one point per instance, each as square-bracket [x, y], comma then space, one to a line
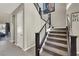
[19, 29]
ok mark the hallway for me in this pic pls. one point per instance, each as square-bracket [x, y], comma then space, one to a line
[9, 49]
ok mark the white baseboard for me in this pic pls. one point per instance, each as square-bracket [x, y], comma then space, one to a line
[22, 48]
[28, 47]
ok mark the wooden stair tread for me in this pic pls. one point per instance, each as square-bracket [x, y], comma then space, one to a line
[44, 53]
[57, 38]
[57, 47]
[61, 52]
[51, 53]
[58, 44]
[57, 34]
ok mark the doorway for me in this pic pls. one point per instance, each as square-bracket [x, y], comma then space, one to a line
[19, 28]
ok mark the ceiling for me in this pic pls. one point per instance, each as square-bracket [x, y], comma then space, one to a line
[7, 8]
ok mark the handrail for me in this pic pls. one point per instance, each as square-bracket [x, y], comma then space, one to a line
[37, 8]
[36, 5]
[39, 11]
[43, 27]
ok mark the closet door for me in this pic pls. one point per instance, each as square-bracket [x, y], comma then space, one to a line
[19, 29]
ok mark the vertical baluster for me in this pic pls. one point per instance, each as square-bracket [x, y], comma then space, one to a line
[37, 47]
[40, 11]
[45, 28]
[49, 17]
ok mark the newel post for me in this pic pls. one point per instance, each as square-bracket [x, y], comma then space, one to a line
[73, 51]
[37, 44]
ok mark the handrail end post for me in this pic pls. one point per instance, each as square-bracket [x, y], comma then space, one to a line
[73, 51]
[37, 44]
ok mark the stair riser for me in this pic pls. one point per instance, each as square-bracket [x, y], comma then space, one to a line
[60, 28]
[55, 40]
[58, 32]
[55, 46]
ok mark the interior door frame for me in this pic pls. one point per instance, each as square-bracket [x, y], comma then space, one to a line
[20, 7]
[22, 27]
[14, 28]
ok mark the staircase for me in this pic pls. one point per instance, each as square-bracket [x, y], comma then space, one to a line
[56, 43]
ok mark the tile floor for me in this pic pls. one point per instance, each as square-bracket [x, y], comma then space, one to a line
[9, 49]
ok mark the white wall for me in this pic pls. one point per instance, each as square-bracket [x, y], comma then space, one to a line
[58, 18]
[4, 18]
[33, 24]
[14, 26]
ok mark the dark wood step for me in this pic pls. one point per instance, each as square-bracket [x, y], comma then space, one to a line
[57, 35]
[56, 46]
[44, 53]
[52, 53]
[56, 40]
[62, 32]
